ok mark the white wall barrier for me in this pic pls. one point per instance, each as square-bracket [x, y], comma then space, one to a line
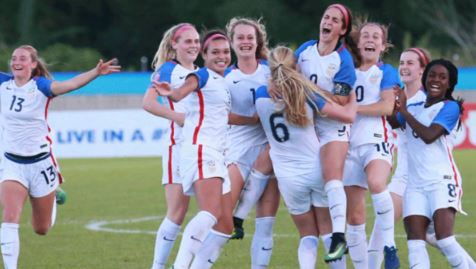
[107, 133]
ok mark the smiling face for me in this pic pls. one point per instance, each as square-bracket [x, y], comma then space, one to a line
[22, 64]
[437, 82]
[244, 41]
[410, 68]
[332, 25]
[217, 55]
[371, 43]
[187, 46]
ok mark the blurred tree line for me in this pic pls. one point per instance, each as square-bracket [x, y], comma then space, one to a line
[72, 35]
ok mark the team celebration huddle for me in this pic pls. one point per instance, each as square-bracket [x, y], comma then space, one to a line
[314, 126]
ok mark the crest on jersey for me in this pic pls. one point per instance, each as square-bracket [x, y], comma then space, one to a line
[375, 78]
[211, 166]
[331, 70]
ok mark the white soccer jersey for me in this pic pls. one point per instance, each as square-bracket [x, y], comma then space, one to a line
[325, 72]
[294, 150]
[175, 74]
[206, 120]
[368, 88]
[402, 156]
[24, 111]
[432, 163]
[243, 95]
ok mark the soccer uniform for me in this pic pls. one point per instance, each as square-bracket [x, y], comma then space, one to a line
[434, 181]
[399, 179]
[294, 153]
[175, 74]
[245, 142]
[204, 131]
[325, 71]
[370, 136]
[26, 141]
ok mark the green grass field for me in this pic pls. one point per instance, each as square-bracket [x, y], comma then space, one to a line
[126, 194]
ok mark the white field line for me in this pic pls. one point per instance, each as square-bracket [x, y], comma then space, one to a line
[101, 226]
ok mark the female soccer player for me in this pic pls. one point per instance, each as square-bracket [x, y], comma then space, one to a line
[412, 64]
[434, 188]
[247, 143]
[173, 61]
[29, 168]
[202, 163]
[369, 161]
[329, 65]
[289, 125]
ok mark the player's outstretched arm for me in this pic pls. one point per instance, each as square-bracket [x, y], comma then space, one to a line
[164, 88]
[102, 68]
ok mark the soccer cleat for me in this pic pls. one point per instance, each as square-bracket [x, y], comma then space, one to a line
[391, 259]
[338, 248]
[60, 196]
[238, 231]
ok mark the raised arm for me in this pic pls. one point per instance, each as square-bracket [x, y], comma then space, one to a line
[102, 68]
[151, 105]
[164, 89]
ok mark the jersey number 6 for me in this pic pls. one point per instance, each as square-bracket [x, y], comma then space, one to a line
[283, 134]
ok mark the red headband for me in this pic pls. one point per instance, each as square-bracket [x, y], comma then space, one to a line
[182, 29]
[213, 37]
[421, 55]
[344, 12]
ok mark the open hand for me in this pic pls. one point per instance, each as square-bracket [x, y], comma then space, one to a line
[105, 68]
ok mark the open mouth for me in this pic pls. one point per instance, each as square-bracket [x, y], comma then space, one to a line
[369, 48]
[435, 87]
[326, 31]
[246, 48]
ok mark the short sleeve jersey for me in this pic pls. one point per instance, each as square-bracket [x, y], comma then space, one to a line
[294, 150]
[208, 107]
[24, 110]
[368, 88]
[175, 74]
[325, 71]
[432, 163]
[402, 158]
[243, 96]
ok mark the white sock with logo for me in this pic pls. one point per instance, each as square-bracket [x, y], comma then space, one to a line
[194, 234]
[164, 242]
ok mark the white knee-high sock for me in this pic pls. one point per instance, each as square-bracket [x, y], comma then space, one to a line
[375, 249]
[431, 239]
[193, 236]
[53, 214]
[384, 214]
[210, 250]
[164, 242]
[357, 243]
[339, 264]
[10, 244]
[417, 254]
[262, 244]
[337, 204]
[307, 252]
[452, 251]
[252, 191]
